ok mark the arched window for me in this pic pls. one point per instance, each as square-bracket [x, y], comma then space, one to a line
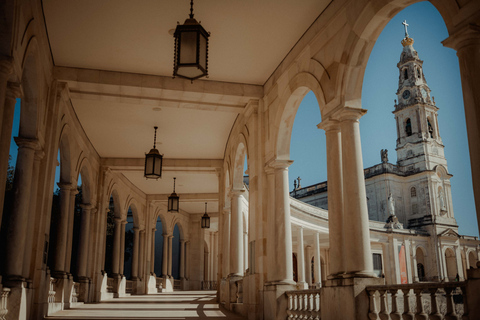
[408, 127]
[430, 128]
[413, 192]
[418, 73]
[405, 74]
[421, 272]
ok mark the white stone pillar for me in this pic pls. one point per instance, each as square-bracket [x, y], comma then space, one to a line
[245, 251]
[152, 252]
[301, 260]
[165, 256]
[394, 248]
[170, 252]
[121, 263]
[116, 246]
[27, 268]
[17, 230]
[308, 265]
[62, 229]
[283, 226]
[215, 261]
[226, 243]
[7, 107]
[82, 258]
[141, 264]
[182, 259]
[467, 43]
[355, 222]
[271, 267]
[236, 234]
[335, 196]
[317, 261]
[414, 262]
[136, 249]
[458, 258]
[408, 260]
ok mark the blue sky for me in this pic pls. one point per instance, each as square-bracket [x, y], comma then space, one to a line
[377, 127]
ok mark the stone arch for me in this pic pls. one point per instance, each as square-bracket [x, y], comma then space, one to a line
[159, 214]
[116, 203]
[472, 258]
[227, 188]
[133, 205]
[450, 264]
[421, 267]
[65, 155]
[87, 184]
[365, 31]
[238, 164]
[181, 228]
[289, 102]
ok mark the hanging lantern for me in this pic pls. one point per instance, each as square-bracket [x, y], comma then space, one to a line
[153, 161]
[205, 219]
[191, 49]
[173, 200]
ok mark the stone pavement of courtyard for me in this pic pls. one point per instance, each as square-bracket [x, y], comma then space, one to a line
[185, 305]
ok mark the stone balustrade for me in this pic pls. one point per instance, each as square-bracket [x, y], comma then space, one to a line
[159, 283]
[304, 304]
[209, 285]
[75, 292]
[51, 290]
[3, 303]
[129, 286]
[437, 301]
[110, 284]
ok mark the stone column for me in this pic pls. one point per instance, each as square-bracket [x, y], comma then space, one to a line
[83, 241]
[7, 107]
[170, 253]
[7, 95]
[116, 246]
[226, 243]
[236, 235]
[182, 259]
[136, 249]
[466, 41]
[318, 261]
[355, 223]
[17, 230]
[408, 260]
[33, 210]
[458, 259]
[271, 267]
[283, 226]
[121, 262]
[187, 260]
[414, 262]
[308, 265]
[301, 260]
[215, 261]
[165, 256]
[335, 196]
[245, 251]
[62, 229]
[141, 263]
[71, 218]
[152, 254]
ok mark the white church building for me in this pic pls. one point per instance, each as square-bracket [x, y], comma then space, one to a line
[122, 219]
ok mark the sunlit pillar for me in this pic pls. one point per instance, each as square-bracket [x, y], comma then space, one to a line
[466, 41]
[301, 259]
[271, 256]
[317, 262]
[236, 234]
[116, 246]
[335, 196]
[355, 223]
[226, 243]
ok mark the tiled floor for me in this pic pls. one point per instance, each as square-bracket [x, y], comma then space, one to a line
[175, 305]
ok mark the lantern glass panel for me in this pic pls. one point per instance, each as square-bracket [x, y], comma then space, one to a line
[203, 52]
[149, 165]
[157, 166]
[188, 47]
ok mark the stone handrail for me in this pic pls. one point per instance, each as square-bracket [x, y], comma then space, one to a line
[304, 304]
[424, 301]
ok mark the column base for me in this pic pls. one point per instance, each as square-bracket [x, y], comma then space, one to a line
[354, 302]
[302, 285]
[274, 299]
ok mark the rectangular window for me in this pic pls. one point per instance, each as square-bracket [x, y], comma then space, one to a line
[377, 264]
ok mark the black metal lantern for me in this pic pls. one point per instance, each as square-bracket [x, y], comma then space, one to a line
[173, 200]
[205, 219]
[191, 49]
[153, 161]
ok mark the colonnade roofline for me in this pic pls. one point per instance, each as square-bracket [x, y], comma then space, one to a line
[157, 91]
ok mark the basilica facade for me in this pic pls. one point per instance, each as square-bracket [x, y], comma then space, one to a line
[93, 82]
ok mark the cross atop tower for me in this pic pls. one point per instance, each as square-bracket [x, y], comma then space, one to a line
[405, 24]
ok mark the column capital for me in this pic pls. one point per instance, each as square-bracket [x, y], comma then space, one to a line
[39, 154]
[66, 186]
[468, 35]
[350, 114]
[6, 66]
[86, 206]
[14, 90]
[154, 229]
[142, 231]
[329, 125]
[117, 220]
[27, 143]
[170, 236]
[182, 241]
[136, 229]
[236, 192]
[124, 222]
[278, 164]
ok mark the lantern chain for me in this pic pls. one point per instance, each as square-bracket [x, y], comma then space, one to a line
[155, 137]
[191, 9]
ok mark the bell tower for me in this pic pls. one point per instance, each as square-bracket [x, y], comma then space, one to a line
[419, 146]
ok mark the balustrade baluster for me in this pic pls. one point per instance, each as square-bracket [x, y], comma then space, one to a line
[295, 300]
[407, 310]
[384, 314]
[317, 302]
[310, 302]
[290, 301]
[305, 301]
[420, 314]
[395, 314]
[435, 313]
[451, 313]
[373, 314]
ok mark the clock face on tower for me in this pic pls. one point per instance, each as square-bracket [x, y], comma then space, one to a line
[406, 94]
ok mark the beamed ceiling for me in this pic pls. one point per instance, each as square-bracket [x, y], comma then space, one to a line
[117, 57]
